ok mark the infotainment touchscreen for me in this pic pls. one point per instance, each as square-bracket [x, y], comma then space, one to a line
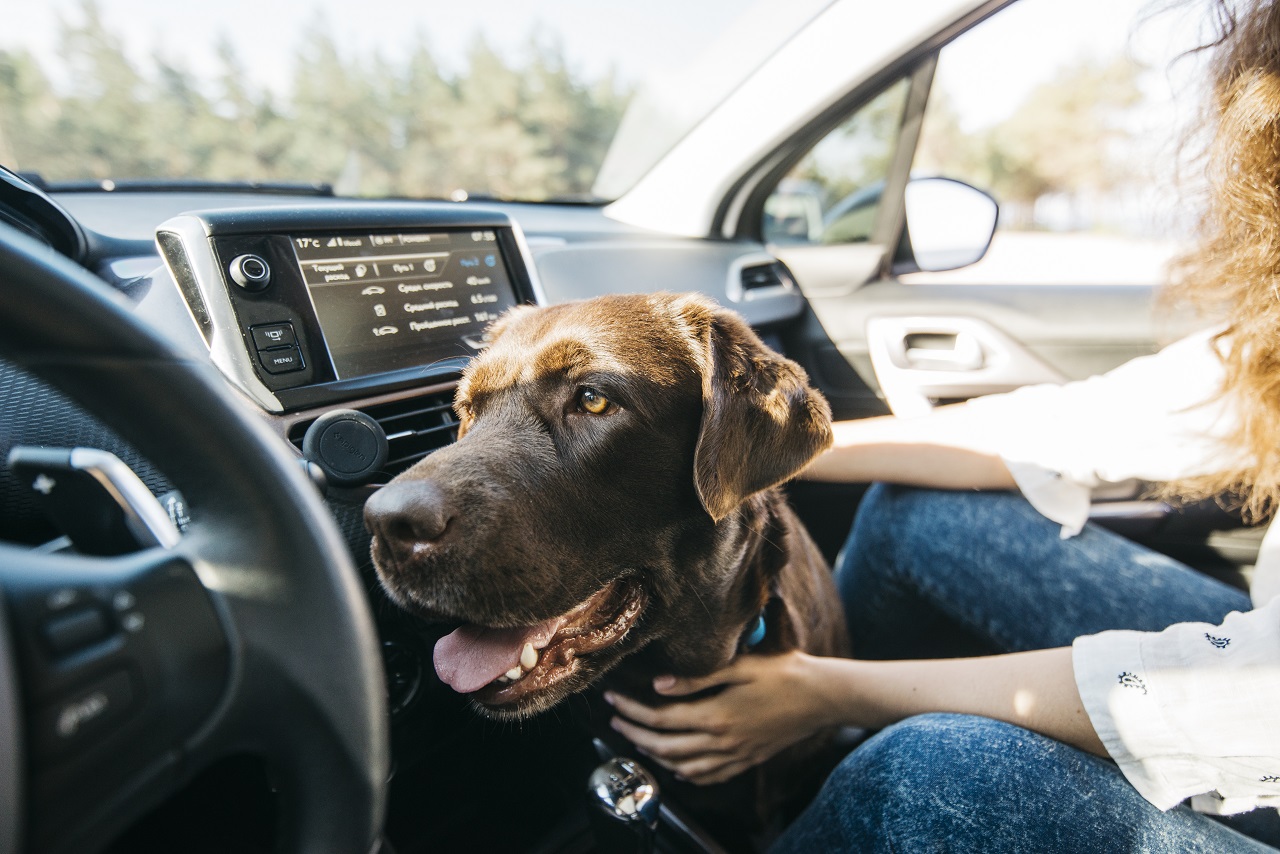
[391, 301]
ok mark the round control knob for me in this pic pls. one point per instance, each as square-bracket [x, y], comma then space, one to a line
[349, 446]
[250, 272]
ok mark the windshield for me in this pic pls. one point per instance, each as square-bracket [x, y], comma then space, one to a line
[384, 98]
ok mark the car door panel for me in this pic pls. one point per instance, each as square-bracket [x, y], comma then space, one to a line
[1049, 332]
[913, 346]
[922, 361]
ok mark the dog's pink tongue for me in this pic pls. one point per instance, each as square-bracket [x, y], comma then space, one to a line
[473, 656]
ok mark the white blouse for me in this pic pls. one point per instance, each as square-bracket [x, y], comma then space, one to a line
[1192, 711]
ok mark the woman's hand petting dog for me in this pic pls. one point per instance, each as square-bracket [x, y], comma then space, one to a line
[766, 703]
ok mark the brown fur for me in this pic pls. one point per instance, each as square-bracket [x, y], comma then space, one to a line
[540, 504]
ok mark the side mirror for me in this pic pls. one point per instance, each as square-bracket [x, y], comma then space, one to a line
[949, 223]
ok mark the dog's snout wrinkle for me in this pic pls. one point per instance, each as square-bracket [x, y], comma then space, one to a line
[409, 514]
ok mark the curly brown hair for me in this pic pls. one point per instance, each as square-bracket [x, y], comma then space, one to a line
[1233, 271]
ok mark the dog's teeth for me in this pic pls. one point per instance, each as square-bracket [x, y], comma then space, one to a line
[503, 680]
[528, 657]
[514, 673]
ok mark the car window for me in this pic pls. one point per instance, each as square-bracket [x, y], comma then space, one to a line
[1077, 138]
[833, 194]
[505, 99]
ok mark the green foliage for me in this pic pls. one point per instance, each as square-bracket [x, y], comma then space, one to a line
[1066, 137]
[528, 129]
[833, 194]
[858, 153]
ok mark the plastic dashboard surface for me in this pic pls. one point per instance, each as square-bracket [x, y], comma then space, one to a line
[570, 252]
[302, 307]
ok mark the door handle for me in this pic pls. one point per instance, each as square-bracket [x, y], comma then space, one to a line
[942, 351]
[919, 361]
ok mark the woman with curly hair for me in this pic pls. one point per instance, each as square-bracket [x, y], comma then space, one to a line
[1039, 683]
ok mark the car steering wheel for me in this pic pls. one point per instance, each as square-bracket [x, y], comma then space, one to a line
[250, 635]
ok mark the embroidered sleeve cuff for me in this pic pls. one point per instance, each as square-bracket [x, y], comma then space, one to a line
[1125, 710]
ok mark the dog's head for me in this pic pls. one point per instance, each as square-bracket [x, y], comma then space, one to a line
[604, 448]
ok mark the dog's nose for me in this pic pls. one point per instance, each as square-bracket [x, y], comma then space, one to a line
[403, 515]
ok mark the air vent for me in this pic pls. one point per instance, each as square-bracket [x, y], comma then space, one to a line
[757, 281]
[414, 426]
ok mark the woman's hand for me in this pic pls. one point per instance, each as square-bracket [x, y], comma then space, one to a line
[767, 703]
[771, 702]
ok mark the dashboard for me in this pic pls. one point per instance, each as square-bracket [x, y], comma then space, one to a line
[307, 305]
[367, 312]
[302, 308]
[345, 326]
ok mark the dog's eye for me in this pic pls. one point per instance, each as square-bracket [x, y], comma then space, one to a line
[594, 402]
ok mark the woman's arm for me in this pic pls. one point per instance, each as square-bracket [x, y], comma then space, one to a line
[771, 702]
[928, 450]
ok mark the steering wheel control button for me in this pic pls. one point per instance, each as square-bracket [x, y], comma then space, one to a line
[76, 630]
[275, 335]
[349, 446]
[250, 272]
[176, 506]
[86, 713]
[63, 597]
[282, 361]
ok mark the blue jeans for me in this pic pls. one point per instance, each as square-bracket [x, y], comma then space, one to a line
[937, 574]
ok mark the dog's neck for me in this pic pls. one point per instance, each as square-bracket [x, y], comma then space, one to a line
[745, 553]
[763, 555]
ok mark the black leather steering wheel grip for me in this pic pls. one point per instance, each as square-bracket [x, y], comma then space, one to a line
[285, 664]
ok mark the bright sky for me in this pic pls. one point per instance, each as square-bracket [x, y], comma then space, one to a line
[994, 67]
[598, 34]
[634, 38]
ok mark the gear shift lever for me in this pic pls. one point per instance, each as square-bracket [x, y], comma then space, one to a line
[623, 805]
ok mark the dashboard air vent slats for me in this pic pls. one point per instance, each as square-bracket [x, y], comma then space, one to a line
[759, 280]
[760, 276]
[414, 426]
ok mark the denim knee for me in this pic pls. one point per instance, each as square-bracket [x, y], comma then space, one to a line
[935, 782]
[883, 795]
[904, 768]
[947, 782]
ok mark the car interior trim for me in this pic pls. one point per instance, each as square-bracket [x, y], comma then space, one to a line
[145, 515]
[737, 293]
[214, 315]
[739, 214]
[980, 360]
[311, 377]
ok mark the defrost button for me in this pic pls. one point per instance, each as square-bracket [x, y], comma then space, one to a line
[274, 335]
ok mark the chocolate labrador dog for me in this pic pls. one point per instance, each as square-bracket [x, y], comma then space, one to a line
[611, 503]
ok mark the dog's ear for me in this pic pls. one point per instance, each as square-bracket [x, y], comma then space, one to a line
[761, 422]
